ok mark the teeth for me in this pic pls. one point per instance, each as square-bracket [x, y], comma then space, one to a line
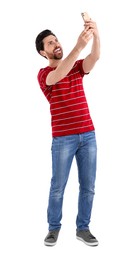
[58, 49]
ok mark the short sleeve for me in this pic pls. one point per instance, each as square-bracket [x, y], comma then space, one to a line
[80, 67]
[42, 77]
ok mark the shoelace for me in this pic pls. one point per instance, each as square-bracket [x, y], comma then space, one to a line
[89, 234]
[52, 235]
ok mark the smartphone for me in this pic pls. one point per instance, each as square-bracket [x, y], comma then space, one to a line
[85, 16]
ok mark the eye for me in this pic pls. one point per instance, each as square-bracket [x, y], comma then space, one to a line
[50, 43]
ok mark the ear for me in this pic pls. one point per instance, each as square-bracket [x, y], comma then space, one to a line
[43, 53]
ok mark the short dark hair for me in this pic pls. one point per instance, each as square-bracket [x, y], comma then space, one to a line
[39, 39]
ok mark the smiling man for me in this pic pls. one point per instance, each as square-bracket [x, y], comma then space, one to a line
[73, 132]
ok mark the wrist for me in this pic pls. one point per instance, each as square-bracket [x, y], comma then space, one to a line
[96, 36]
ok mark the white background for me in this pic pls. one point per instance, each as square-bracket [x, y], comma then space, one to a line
[25, 130]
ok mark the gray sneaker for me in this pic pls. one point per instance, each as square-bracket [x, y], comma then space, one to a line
[87, 237]
[51, 238]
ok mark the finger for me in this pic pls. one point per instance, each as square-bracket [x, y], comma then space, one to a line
[90, 23]
[87, 27]
[89, 34]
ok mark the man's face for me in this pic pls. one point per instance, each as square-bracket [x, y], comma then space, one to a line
[52, 48]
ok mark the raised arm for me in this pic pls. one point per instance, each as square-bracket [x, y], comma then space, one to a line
[66, 65]
[94, 55]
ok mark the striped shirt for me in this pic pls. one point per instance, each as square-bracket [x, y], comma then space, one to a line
[68, 105]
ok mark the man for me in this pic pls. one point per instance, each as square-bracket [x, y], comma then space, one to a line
[73, 131]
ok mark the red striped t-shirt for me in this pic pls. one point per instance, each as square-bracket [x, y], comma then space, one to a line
[68, 105]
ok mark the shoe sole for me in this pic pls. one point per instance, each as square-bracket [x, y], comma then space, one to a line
[87, 243]
[49, 244]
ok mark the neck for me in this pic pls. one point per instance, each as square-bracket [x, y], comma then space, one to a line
[54, 63]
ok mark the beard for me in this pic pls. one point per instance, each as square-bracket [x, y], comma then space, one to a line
[58, 56]
[55, 56]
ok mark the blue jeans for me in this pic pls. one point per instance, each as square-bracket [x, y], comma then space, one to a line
[83, 147]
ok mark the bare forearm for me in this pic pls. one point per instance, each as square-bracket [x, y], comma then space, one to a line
[94, 55]
[95, 51]
[65, 66]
